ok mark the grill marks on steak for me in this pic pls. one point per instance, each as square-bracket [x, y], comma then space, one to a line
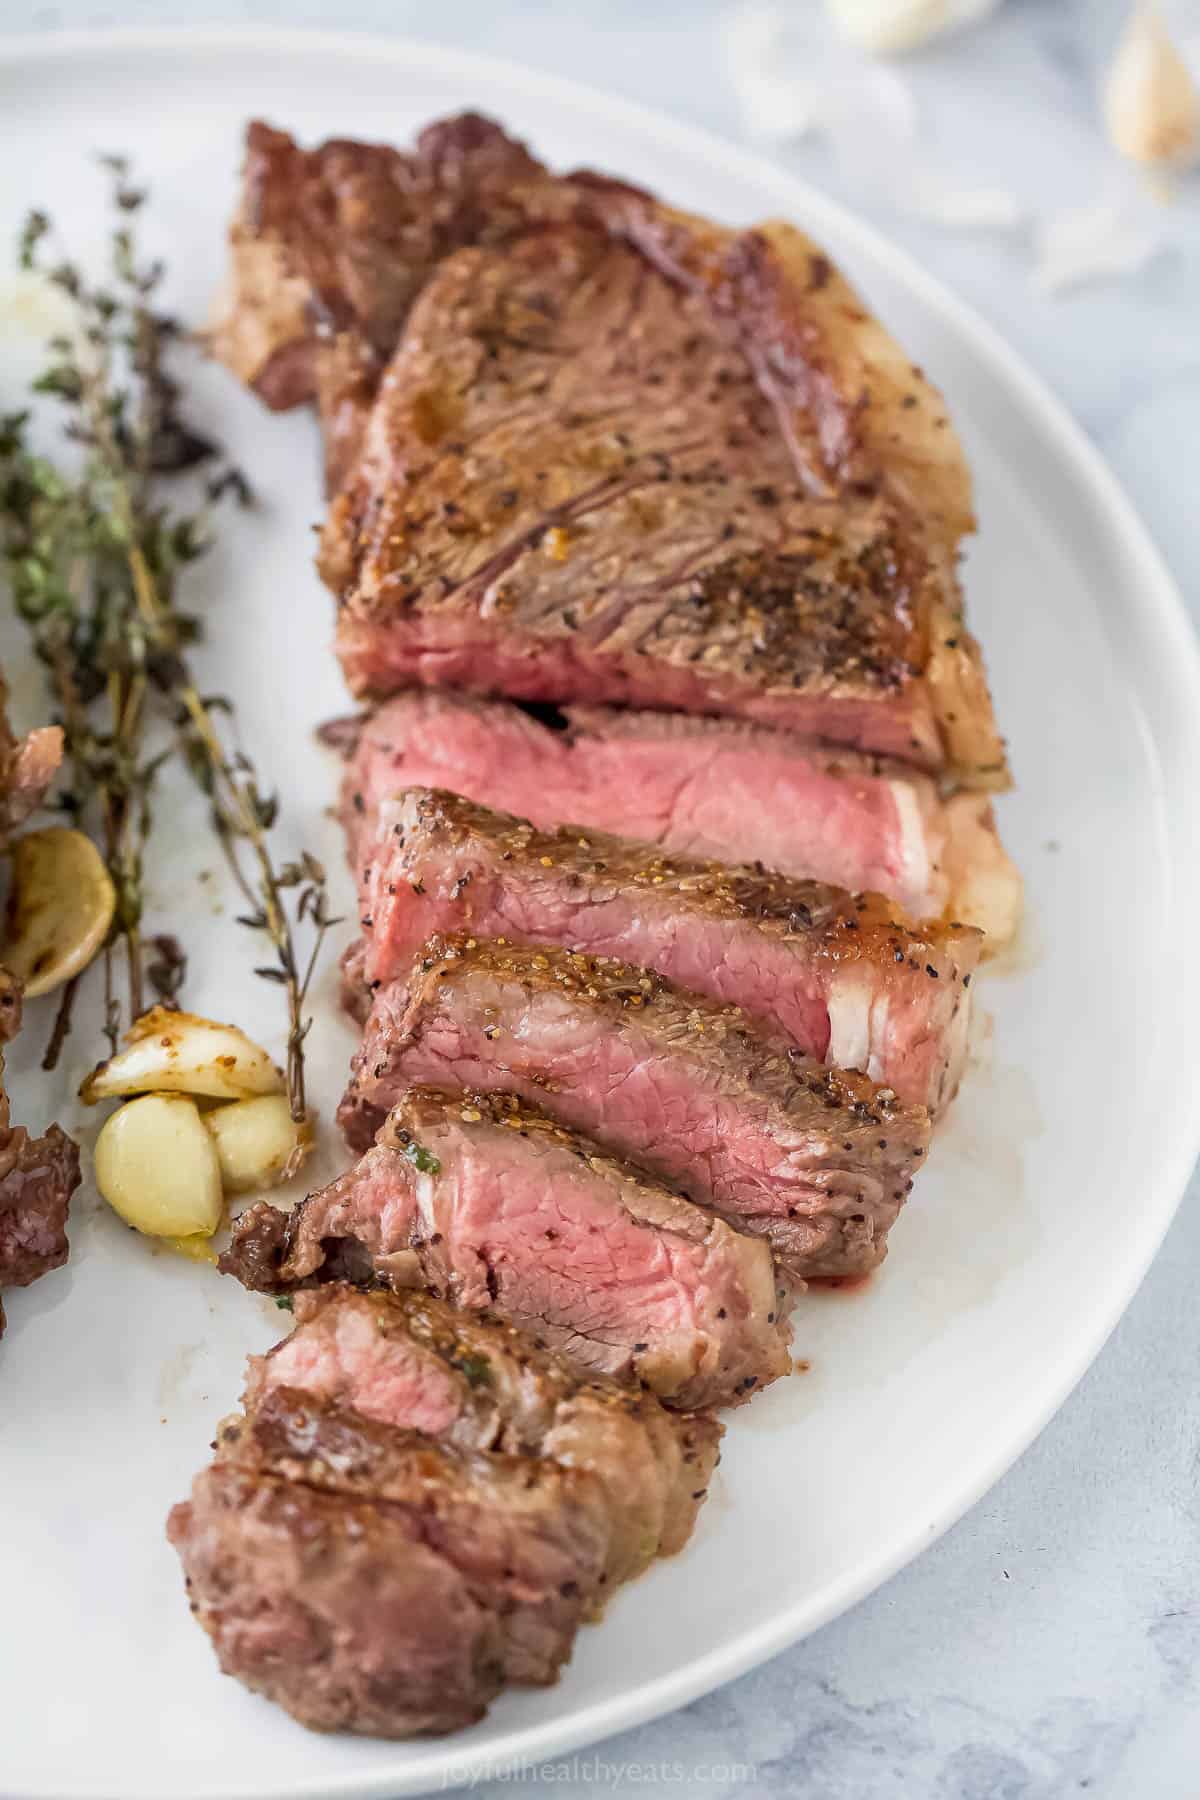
[817, 1161]
[492, 1204]
[837, 974]
[713, 788]
[419, 1506]
[573, 487]
[619, 454]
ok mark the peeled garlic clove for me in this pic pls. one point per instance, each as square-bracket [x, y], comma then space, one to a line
[259, 1144]
[157, 1167]
[889, 27]
[1151, 103]
[60, 908]
[178, 1052]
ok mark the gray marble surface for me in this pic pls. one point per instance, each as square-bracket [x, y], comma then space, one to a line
[1050, 1644]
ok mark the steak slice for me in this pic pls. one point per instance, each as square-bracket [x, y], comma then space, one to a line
[413, 1361]
[554, 504]
[338, 241]
[37, 1178]
[372, 1580]
[700, 788]
[817, 1161]
[836, 973]
[700, 474]
[489, 1202]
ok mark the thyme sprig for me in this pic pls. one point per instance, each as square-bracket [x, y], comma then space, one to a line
[94, 558]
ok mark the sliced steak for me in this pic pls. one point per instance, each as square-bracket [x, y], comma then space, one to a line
[414, 1361]
[488, 1202]
[837, 974]
[699, 474]
[700, 788]
[816, 1160]
[373, 1580]
[37, 1178]
[330, 247]
[555, 505]
[341, 239]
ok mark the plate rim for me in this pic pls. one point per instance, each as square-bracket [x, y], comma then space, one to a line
[1179, 661]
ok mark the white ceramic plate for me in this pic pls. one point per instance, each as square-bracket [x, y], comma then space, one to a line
[1047, 1195]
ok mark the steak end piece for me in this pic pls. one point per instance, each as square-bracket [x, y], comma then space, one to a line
[374, 1580]
[418, 1507]
[482, 1198]
[816, 1160]
[839, 975]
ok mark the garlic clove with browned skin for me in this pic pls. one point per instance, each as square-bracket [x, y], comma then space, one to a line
[60, 908]
[1151, 100]
[179, 1052]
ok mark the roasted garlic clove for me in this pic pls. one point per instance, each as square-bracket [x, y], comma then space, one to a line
[1151, 102]
[178, 1052]
[157, 1167]
[60, 908]
[889, 27]
[259, 1144]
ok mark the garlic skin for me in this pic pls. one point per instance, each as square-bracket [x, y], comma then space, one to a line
[890, 27]
[1151, 102]
[59, 911]
[177, 1052]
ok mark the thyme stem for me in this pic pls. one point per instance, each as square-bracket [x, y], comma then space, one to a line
[93, 561]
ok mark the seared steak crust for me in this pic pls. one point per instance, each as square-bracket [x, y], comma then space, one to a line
[334, 1608]
[309, 1509]
[699, 475]
[417, 1507]
[838, 974]
[573, 487]
[475, 1381]
[818, 1161]
[330, 248]
[37, 1178]
[492, 1204]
